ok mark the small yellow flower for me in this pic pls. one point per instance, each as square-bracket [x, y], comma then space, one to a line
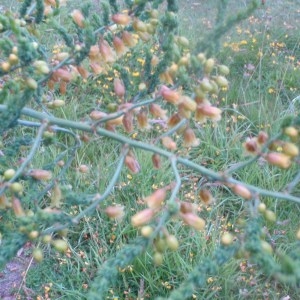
[210, 280]
[271, 91]
[238, 30]
[141, 61]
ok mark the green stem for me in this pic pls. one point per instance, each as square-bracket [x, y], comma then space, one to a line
[108, 190]
[70, 149]
[147, 147]
[177, 178]
[254, 158]
[66, 61]
[99, 199]
[34, 148]
[293, 183]
[174, 129]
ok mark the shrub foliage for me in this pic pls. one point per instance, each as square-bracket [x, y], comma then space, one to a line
[146, 91]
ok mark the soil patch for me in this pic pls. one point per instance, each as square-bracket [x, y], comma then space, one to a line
[12, 281]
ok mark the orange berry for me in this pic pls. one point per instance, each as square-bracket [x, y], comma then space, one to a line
[193, 220]
[291, 132]
[262, 137]
[155, 199]
[280, 160]
[156, 161]
[121, 19]
[168, 143]
[83, 169]
[78, 17]
[17, 207]
[115, 212]
[40, 174]
[142, 217]
[169, 95]
[242, 191]
[290, 149]
[119, 87]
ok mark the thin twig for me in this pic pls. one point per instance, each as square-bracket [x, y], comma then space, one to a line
[293, 183]
[34, 148]
[177, 178]
[254, 158]
[172, 130]
[98, 199]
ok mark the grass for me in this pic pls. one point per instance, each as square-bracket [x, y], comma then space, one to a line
[264, 59]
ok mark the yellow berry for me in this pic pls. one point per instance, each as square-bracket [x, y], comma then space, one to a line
[201, 57]
[209, 65]
[224, 70]
[270, 216]
[33, 234]
[227, 239]
[160, 245]
[172, 242]
[146, 231]
[16, 187]
[261, 207]
[13, 59]
[9, 174]
[47, 239]
[5, 66]
[60, 245]
[38, 254]
[291, 131]
[31, 83]
[266, 247]
[158, 258]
